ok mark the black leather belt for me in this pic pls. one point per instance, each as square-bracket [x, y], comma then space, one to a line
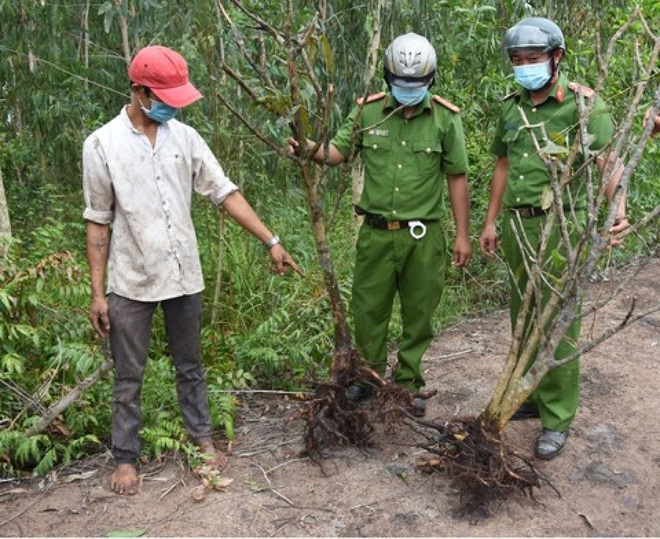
[529, 211]
[526, 212]
[376, 221]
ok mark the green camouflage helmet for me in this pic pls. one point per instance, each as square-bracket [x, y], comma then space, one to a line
[534, 33]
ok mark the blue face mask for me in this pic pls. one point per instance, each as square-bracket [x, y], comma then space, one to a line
[409, 97]
[159, 112]
[532, 76]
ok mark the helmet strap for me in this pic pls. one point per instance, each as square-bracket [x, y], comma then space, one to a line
[387, 76]
[554, 67]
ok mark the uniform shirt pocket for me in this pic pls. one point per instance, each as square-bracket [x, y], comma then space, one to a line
[376, 154]
[428, 157]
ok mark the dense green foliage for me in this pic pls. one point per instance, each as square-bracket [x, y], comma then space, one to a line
[63, 77]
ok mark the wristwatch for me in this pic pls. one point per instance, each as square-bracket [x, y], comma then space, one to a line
[272, 242]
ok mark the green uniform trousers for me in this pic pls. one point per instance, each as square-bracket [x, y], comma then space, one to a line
[558, 393]
[387, 262]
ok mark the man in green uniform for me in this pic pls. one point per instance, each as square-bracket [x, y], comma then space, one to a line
[520, 184]
[408, 140]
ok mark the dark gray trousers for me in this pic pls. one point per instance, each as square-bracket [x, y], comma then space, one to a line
[130, 330]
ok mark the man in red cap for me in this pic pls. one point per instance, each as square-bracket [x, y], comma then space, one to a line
[139, 171]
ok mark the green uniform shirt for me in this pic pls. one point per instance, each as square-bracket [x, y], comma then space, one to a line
[528, 174]
[405, 159]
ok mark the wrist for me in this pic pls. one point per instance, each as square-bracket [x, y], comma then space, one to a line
[272, 242]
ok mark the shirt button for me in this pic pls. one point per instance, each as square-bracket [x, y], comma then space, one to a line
[403, 143]
[375, 146]
[399, 166]
[428, 150]
[393, 212]
[396, 189]
[521, 177]
[534, 109]
[525, 154]
[518, 200]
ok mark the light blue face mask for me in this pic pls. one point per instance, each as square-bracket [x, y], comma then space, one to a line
[409, 97]
[159, 112]
[532, 76]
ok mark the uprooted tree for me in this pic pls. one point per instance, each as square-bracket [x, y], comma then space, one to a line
[468, 448]
[471, 449]
[302, 98]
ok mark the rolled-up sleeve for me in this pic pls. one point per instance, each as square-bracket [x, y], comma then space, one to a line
[97, 183]
[209, 179]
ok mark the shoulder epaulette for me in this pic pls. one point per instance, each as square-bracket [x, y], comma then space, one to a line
[586, 91]
[509, 96]
[371, 98]
[446, 104]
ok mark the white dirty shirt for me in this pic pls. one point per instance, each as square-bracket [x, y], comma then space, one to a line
[145, 193]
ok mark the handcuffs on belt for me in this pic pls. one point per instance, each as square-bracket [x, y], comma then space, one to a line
[414, 225]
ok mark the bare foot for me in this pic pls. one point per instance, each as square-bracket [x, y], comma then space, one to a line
[213, 463]
[213, 457]
[125, 480]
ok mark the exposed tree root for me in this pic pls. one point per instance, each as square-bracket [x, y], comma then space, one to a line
[483, 469]
[332, 418]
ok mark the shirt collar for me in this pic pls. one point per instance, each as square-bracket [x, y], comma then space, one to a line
[123, 114]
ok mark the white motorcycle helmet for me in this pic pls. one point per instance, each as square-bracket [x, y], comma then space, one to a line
[410, 62]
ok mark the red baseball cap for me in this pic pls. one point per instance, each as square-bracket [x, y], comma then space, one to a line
[164, 72]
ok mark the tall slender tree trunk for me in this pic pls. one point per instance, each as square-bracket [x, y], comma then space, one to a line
[123, 25]
[5, 224]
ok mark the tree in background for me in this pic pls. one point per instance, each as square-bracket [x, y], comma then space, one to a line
[5, 224]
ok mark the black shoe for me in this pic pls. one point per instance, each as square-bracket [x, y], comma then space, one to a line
[526, 411]
[356, 393]
[419, 407]
[550, 444]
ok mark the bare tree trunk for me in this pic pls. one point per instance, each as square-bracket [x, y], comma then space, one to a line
[5, 224]
[85, 40]
[123, 25]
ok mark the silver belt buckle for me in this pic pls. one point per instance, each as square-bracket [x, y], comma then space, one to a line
[414, 225]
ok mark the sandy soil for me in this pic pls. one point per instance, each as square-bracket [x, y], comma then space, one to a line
[608, 478]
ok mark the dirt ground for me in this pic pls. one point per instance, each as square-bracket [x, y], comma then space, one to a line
[608, 476]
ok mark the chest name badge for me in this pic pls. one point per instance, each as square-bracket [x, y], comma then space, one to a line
[379, 132]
